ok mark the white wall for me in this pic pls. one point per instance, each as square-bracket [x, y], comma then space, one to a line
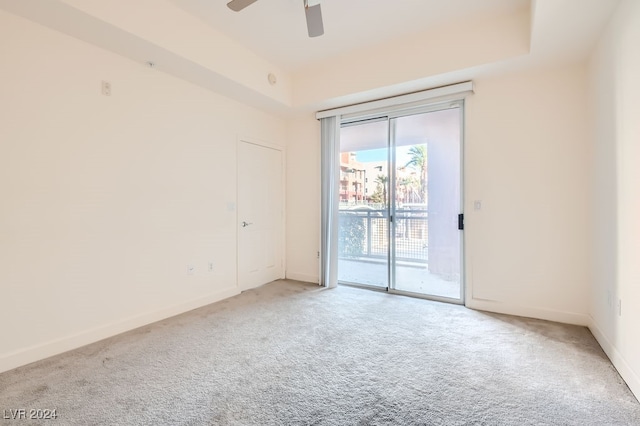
[615, 99]
[526, 159]
[105, 200]
[303, 199]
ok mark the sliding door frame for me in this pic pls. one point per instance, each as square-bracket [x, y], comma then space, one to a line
[389, 116]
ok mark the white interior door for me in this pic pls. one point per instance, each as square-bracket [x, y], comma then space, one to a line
[260, 215]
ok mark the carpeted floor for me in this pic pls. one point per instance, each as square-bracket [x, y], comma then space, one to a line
[290, 353]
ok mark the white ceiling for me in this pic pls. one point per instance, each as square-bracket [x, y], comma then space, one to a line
[276, 29]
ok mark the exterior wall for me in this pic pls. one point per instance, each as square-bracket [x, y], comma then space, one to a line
[353, 179]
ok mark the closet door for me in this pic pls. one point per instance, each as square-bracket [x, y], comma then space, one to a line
[260, 215]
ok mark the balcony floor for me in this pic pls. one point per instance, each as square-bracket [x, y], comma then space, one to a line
[414, 278]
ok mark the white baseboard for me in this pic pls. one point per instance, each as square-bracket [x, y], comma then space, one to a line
[625, 370]
[529, 312]
[303, 277]
[41, 351]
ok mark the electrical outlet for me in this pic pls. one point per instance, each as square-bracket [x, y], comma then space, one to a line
[191, 269]
[210, 267]
[106, 88]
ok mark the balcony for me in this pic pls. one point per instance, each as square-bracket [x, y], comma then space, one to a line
[364, 245]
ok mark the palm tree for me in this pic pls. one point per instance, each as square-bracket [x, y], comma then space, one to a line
[382, 180]
[419, 161]
[411, 187]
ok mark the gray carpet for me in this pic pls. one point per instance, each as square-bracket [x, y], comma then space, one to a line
[290, 353]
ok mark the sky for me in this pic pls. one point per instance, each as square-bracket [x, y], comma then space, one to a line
[372, 155]
[375, 155]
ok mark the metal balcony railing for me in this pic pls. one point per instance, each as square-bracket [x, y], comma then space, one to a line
[364, 233]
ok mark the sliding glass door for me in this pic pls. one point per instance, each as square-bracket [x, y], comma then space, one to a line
[363, 220]
[400, 197]
[426, 242]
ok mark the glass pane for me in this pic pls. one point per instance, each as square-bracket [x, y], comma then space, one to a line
[363, 219]
[427, 202]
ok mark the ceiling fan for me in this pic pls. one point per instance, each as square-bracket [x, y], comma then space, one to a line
[311, 9]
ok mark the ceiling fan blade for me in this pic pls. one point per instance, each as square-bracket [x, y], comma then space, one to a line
[314, 19]
[238, 5]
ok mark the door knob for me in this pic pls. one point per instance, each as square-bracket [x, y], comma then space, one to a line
[245, 224]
